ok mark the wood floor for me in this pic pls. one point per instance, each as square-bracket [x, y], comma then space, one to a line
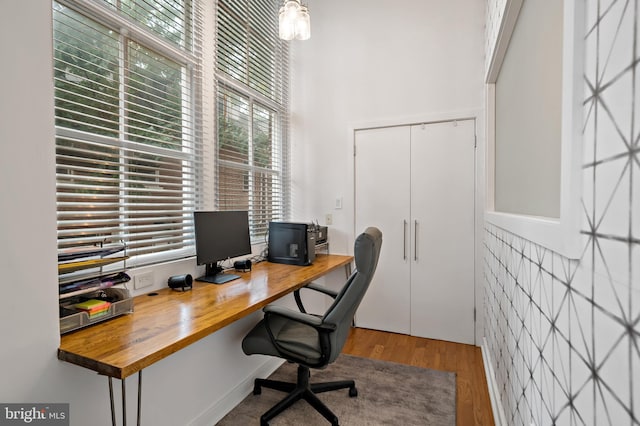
[472, 397]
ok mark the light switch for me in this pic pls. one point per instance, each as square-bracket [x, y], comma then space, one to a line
[143, 280]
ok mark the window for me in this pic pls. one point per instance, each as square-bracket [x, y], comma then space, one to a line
[528, 100]
[251, 111]
[562, 232]
[127, 136]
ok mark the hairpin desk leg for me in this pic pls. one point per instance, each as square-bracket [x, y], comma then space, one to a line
[139, 396]
[124, 401]
[113, 408]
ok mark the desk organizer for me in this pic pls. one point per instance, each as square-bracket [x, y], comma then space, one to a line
[82, 276]
[123, 305]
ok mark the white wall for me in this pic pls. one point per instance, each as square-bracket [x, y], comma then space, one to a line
[28, 312]
[193, 386]
[377, 62]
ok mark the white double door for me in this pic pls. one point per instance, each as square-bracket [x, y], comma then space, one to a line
[416, 183]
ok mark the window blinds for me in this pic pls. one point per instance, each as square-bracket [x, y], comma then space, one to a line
[252, 102]
[128, 130]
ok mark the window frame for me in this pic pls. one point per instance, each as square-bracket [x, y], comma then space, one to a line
[278, 103]
[562, 234]
[128, 32]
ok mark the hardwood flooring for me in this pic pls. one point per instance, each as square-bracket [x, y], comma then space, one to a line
[472, 397]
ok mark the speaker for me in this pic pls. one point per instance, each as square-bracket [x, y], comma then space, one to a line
[180, 282]
[242, 265]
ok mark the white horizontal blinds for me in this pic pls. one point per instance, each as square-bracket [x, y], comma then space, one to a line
[248, 46]
[250, 171]
[268, 188]
[155, 107]
[128, 131]
[87, 73]
[107, 192]
[165, 18]
[252, 165]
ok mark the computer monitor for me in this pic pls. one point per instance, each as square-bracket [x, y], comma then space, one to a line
[220, 235]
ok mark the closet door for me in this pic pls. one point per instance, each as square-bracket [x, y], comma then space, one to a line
[442, 222]
[382, 181]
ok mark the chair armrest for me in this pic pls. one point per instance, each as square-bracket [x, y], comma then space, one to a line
[321, 289]
[312, 286]
[301, 317]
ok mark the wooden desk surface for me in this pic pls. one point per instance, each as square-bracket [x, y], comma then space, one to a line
[163, 324]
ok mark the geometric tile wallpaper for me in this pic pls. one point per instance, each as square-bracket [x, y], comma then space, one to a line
[564, 335]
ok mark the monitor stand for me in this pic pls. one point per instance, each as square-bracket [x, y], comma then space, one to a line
[215, 275]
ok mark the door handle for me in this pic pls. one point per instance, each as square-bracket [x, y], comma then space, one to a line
[404, 241]
[415, 241]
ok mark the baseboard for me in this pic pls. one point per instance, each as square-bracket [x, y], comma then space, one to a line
[228, 402]
[494, 395]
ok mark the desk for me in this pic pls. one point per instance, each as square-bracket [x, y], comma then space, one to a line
[167, 322]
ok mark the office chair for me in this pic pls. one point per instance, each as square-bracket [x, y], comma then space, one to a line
[314, 341]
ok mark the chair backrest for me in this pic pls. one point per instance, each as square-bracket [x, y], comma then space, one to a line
[341, 312]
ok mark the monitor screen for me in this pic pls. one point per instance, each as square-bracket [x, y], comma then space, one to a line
[220, 235]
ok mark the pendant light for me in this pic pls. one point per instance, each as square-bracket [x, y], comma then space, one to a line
[294, 21]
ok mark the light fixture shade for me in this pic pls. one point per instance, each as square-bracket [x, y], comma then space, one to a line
[303, 24]
[294, 21]
[287, 20]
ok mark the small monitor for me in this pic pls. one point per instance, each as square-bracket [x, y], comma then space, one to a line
[220, 235]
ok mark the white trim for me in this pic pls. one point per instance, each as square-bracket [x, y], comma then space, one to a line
[561, 235]
[490, 151]
[508, 23]
[231, 399]
[468, 114]
[499, 417]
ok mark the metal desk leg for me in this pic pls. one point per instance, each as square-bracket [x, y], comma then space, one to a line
[139, 396]
[113, 408]
[124, 401]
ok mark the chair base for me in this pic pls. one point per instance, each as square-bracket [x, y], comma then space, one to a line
[302, 390]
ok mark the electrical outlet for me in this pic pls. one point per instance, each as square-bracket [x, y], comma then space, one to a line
[328, 219]
[143, 280]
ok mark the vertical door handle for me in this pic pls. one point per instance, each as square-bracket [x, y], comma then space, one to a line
[415, 241]
[404, 241]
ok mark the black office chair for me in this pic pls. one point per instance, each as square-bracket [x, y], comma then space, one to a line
[314, 341]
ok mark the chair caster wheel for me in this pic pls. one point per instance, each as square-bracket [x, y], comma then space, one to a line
[353, 392]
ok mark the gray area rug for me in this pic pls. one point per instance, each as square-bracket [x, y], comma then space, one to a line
[388, 394]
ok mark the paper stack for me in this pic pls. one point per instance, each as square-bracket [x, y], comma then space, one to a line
[93, 307]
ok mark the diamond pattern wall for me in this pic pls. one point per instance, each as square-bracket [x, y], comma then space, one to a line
[564, 335]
